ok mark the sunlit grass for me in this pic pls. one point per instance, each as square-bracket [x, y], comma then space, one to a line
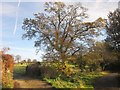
[104, 73]
[20, 68]
[85, 81]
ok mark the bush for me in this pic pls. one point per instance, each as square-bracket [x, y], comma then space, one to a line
[8, 61]
[44, 70]
[57, 69]
[66, 69]
[113, 66]
[49, 72]
[7, 71]
[7, 79]
[33, 69]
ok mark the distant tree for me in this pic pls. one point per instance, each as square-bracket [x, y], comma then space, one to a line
[29, 60]
[60, 29]
[18, 58]
[113, 30]
[34, 60]
[24, 61]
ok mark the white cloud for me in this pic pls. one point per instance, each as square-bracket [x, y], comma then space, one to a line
[102, 10]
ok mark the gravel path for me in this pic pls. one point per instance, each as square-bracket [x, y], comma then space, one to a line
[108, 82]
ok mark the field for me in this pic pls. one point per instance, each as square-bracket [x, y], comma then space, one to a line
[82, 80]
[20, 68]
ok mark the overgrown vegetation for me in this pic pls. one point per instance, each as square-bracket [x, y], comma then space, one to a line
[76, 81]
[7, 62]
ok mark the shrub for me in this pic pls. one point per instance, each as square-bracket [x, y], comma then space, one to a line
[42, 70]
[7, 79]
[33, 69]
[7, 70]
[66, 70]
[57, 69]
[8, 62]
[49, 72]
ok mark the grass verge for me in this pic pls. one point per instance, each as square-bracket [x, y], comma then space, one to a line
[84, 81]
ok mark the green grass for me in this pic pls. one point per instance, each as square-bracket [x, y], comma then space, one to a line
[20, 69]
[59, 83]
[77, 80]
[84, 80]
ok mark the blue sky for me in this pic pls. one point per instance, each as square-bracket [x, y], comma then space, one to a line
[10, 12]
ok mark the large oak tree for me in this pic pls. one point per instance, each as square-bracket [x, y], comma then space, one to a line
[60, 29]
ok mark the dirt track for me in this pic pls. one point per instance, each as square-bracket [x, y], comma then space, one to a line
[108, 82]
[22, 81]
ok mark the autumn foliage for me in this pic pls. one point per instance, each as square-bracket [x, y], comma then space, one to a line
[6, 61]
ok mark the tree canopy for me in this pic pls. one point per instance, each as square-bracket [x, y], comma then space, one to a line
[60, 30]
[113, 29]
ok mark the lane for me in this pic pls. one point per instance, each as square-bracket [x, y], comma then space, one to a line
[108, 82]
[23, 81]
